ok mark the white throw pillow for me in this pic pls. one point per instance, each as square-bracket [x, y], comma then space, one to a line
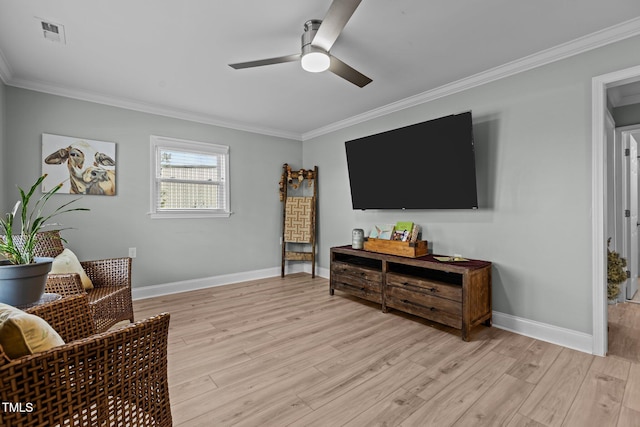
[23, 333]
[67, 262]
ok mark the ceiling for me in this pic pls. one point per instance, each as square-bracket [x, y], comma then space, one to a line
[625, 94]
[170, 57]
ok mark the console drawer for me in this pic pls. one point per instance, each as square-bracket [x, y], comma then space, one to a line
[357, 286]
[355, 271]
[358, 291]
[440, 310]
[425, 286]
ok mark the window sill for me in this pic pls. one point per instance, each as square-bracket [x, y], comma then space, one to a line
[188, 215]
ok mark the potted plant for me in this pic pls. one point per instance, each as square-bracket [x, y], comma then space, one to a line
[22, 275]
[616, 273]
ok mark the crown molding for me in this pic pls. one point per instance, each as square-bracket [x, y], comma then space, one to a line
[574, 47]
[160, 110]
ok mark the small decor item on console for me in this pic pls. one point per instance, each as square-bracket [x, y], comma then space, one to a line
[397, 247]
[416, 233]
[382, 231]
[403, 231]
[402, 239]
[455, 258]
[357, 238]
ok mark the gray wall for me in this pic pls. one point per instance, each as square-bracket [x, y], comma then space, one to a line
[168, 250]
[533, 154]
[533, 157]
[3, 177]
[626, 115]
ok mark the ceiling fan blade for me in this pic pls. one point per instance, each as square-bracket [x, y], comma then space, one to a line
[270, 61]
[341, 69]
[334, 21]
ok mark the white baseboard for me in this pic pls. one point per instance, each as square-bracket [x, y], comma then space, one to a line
[530, 328]
[210, 282]
[544, 332]
[323, 272]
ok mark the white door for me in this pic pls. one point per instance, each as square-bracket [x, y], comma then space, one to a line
[632, 261]
[616, 203]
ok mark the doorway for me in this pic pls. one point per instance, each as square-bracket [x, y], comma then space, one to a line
[628, 137]
[623, 318]
[599, 186]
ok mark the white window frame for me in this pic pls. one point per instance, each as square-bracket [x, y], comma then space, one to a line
[159, 143]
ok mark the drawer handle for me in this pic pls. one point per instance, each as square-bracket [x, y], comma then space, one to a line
[432, 290]
[404, 301]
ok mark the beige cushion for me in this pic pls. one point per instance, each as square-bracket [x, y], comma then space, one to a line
[67, 262]
[22, 333]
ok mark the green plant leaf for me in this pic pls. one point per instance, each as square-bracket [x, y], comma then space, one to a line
[32, 221]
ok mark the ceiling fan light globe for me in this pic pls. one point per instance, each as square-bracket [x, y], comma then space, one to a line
[315, 62]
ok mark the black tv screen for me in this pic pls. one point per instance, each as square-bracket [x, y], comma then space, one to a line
[429, 165]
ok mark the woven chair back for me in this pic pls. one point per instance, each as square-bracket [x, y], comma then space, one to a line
[49, 244]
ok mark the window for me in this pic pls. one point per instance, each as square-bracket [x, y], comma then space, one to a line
[188, 179]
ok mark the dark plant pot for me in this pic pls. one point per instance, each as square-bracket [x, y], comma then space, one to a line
[23, 284]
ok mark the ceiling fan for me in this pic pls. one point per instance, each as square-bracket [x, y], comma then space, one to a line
[317, 40]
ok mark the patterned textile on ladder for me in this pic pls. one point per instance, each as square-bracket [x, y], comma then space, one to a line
[298, 220]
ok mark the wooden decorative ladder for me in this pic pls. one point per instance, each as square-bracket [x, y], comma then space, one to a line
[299, 214]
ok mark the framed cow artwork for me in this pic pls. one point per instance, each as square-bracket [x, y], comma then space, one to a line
[83, 166]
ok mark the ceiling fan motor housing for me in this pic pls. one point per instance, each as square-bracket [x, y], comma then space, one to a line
[310, 30]
[313, 59]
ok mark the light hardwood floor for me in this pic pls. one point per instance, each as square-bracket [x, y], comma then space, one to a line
[281, 352]
[624, 331]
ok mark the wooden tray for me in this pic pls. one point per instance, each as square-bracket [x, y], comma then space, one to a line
[396, 247]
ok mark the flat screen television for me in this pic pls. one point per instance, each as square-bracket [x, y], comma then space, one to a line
[429, 165]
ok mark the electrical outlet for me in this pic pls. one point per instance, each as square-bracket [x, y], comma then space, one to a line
[132, 252]
[280, 240]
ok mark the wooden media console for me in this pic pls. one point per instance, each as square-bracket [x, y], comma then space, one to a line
[456, 294]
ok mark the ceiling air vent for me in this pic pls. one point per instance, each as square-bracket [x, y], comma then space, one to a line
[53, 32]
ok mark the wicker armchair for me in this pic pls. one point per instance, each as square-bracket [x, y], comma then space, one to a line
[109, 300]
[117, 378]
